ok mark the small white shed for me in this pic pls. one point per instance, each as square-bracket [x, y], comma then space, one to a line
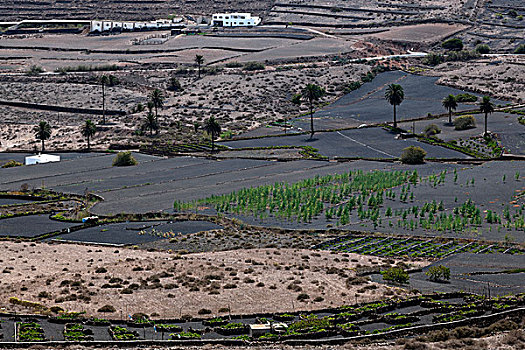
[41, 158]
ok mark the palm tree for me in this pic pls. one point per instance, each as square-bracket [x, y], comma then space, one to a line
[151, 123]
[199, 59]
[104, 80]
[450, 103]
[394, 95]
[88, 130]
[157, 98]
[311, 94]
[212, 127]
[486, 107]
[43, 132]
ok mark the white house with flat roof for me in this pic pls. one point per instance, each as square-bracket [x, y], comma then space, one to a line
[234, 20]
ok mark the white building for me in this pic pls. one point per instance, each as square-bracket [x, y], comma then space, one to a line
[41, 158]
[161, 24]
[234, 20]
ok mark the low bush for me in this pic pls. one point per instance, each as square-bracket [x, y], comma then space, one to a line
[453, 44]
[204, 312]
[107, 308]
[11, 164]
[432, 130]
[251, 66]
[520, 50]
[466, 97]
[413, 155]
[483, 48]
[464, 122]
[124, 159]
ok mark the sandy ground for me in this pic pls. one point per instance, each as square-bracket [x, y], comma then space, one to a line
[238, 99]
[501, 77]
[165, 285]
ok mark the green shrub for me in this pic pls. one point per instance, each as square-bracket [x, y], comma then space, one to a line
[520, 50]
[413, 155]
[11, 164]
[438, 273]
[453, 44]
[466, 97]
[433, 59]
[483, 48]
[395, 274]
[204, 312]
[431, 130]
[251, 66]
[124, 159]
[464, 122]
[233, 65]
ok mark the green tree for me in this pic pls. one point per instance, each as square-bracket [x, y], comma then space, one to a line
[413, 155]
[157, 98]
[151, 123]
[395, 95]
[199, 59]
[438, 273]
[486, 107]
[212, 127]
[310, 94]
[450, 104]
[43, 132]
[174, 85]
[88, 130]
[395, 274]
[104, 81]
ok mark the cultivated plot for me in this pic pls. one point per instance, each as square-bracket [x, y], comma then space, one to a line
[136, 232]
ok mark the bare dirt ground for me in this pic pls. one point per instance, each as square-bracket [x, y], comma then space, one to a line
[501, 77]
[163, 284]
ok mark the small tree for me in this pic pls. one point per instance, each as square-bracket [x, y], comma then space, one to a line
[438, 273]
[486, 107]
[212, 127]
[450, 104]
[88, 130]
[199, 60]
[174, 85]
[310, 94]
[151, 123]
[157, 99]
[43, 132]
[396, 275]
[413, 155]
[395, 95]
[483, 48]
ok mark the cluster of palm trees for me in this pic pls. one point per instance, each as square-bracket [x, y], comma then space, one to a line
[155, 102]
[395, 95]
[43, 132]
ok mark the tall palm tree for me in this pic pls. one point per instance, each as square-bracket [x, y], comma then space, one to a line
[104, 80]
[394, 94]
[212, 127]
[487, 107]
[450, 104]
[151, 123]
[43, 132]
[88, 130]
[311, 94]
[157, 98]
[199, 59]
